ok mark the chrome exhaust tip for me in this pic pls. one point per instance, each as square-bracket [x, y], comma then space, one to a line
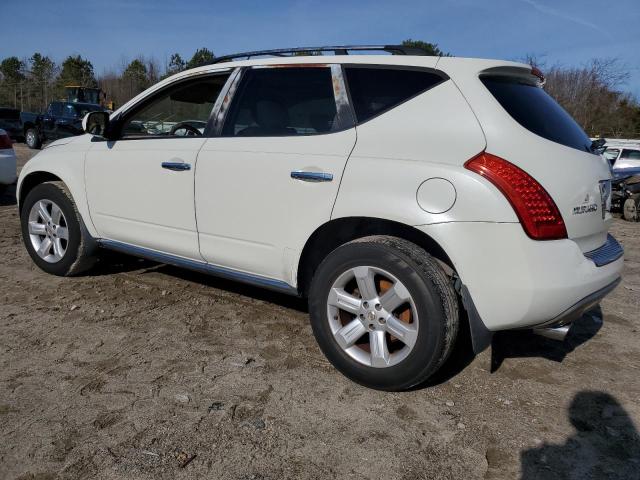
[554, 333]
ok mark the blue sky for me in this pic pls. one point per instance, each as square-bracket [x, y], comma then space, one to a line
[107, 32]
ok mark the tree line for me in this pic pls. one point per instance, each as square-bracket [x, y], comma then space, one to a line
[590, 93]
[31, 83]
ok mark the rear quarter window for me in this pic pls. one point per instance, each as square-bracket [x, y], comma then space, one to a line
[375, 90]
[537, 111]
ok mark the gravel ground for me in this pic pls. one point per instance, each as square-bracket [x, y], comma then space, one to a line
[139, 370]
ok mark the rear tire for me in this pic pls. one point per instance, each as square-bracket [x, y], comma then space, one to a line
[53, 231]
[401, 329]
[32, 139]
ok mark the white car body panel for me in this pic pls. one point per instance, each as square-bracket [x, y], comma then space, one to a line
[571, 177]
[134, 200]
[402, 148]
[64, 160]
[238, 207]
[517, 282]
[251, 214]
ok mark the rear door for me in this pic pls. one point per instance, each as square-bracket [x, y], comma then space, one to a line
[271, 176]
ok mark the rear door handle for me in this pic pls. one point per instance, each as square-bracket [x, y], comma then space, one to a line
[176, 166]
[311, 176]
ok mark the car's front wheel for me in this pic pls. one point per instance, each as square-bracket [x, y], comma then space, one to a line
[53, 232]
[384, 312]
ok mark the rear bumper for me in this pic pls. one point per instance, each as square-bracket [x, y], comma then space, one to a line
[515, 282]
[558, 327]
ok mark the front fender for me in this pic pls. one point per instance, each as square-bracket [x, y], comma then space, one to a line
[66, 162]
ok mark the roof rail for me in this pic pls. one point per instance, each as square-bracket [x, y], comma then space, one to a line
[336, 49]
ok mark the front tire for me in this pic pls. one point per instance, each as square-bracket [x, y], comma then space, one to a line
[384, 312]
[32, 139]
[53, 232]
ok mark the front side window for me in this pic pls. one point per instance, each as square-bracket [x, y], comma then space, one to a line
[272, 102]
[55, 109]
[181, 110]
[375, 90]
[68, 110]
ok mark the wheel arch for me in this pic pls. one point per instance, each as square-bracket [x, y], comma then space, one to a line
[32, 180]
[27, 125]
[334, 233]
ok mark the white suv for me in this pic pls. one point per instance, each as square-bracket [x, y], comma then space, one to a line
[401, 194]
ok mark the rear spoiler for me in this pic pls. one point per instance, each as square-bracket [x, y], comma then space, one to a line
[529, 74]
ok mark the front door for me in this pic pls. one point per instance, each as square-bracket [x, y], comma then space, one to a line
[272, 175]
[50, 119]
[140, 187]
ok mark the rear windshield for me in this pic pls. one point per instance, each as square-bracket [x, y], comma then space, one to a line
[536, 111]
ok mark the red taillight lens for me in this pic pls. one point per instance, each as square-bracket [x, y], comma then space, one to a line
[536, 210]
[5, 142]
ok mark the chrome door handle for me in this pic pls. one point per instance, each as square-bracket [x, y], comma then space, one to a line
[176, 166]
[311, 176]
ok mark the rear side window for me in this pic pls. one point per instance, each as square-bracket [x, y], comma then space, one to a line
[537, 111]
[377, 90]
[276, 102]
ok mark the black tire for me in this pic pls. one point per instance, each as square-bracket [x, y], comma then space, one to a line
[81, 247]
[432, 292]
[32, 139]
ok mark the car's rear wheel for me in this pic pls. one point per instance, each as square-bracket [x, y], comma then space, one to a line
[53, 232]
[383, 312]
[32, 139]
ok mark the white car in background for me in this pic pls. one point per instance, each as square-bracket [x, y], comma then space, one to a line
[401, 194]
[623, 154]
[7, 161]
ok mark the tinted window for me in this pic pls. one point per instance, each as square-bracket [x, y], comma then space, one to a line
[9, 113]
[68, 110]
[536, 111]
[55, 109]
[182, 110]
[282, 102]
[630, 154]
[375, 90]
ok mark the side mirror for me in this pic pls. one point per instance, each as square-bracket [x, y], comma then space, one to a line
[96, 123]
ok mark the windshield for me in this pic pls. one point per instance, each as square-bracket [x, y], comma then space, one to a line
[537, 111]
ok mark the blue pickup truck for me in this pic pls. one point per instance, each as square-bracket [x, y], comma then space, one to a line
[62, 119]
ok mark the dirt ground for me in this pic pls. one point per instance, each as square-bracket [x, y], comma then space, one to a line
[139, 370]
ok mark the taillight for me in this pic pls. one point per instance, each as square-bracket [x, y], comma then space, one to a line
[535, 208]
[5, 141]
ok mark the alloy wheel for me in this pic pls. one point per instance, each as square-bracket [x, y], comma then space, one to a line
[372, 316]
[48, 231]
